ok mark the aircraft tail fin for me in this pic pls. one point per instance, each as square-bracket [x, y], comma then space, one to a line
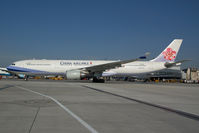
[170, 53]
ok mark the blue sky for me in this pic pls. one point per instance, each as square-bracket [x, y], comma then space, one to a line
[96, 29]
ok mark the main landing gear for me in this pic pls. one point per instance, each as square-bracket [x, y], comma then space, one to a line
[26, 77]
[98, 80]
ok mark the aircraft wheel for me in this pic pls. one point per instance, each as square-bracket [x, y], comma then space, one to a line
[97, 80]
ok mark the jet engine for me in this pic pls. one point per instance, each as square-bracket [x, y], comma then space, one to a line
[75, 74]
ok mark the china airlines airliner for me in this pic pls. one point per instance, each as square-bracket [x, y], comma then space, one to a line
[96, 69]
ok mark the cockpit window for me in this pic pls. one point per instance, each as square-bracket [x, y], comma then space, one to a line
[13, 64]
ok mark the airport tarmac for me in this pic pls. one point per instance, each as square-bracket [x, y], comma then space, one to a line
[39, 106]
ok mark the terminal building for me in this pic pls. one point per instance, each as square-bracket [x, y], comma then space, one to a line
[190, 75]
[171, 73]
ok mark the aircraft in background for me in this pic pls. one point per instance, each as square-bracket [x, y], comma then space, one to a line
[96, 69]
[3, 72]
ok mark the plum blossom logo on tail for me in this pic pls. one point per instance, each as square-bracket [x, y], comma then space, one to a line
[169, 54]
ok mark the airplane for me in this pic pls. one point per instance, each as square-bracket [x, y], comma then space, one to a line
[3, 72]
[97, 69]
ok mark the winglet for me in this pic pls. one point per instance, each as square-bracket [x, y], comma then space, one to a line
[145, 55]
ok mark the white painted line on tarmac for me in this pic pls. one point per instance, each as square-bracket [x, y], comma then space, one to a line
[86, 125]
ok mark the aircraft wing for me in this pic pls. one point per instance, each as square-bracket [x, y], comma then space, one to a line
[112, 65]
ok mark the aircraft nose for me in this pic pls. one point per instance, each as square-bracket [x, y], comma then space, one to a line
[9, 67]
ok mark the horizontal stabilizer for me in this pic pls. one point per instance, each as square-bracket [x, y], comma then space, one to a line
[167, 64]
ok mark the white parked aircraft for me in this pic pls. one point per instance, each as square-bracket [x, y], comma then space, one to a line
[3, 72]
[78, 69]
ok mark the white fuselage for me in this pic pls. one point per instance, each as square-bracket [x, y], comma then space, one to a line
[4, 72]
[59, 67]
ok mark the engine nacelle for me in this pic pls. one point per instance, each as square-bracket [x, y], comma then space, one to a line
[75, 74]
